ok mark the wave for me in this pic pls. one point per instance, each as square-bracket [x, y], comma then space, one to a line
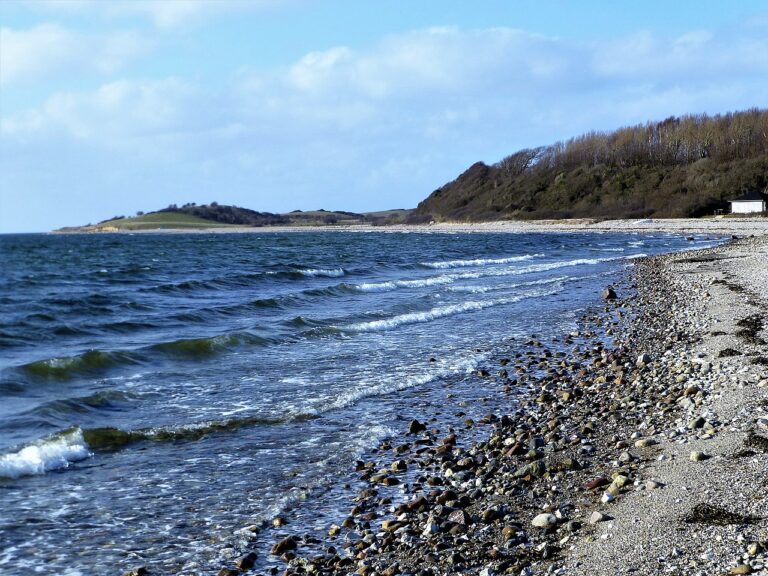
[479, 261]
[105, 400]
[110, 439]
[209, 346]
[395, 284]
[53, 453]
[311, 272]
[436, 313]
[88, 363]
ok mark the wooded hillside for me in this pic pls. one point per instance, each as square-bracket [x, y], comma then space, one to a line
[680, 167]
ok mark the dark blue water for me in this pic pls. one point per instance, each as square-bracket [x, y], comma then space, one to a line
[158, 393]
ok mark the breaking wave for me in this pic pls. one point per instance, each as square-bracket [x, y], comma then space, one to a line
[479, 261]
[53, 453]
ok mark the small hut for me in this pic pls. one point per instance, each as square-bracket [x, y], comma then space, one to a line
[749, 203]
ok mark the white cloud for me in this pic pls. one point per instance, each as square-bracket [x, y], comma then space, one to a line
[390, 122]
[117, 114]
[48, 51]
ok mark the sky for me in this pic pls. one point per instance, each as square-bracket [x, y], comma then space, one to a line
[108, 107]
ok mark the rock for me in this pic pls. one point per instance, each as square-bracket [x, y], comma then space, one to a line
[544, 520]
[459, 517]
[609, 294]
[391, 525]
[607, 497]
[278, 521]
[537, 469]
[645, 442]
[334, 530]
[399, 466]
[653, 485]
[284, 546]
[228, 572]
[643, 359]
[140, 571]
[741, 569]
[508, 532]
[596, 517]
[596, 483]
[246, 562]
[625, 457]
[415, 427]
[695, 423]
[697, 456]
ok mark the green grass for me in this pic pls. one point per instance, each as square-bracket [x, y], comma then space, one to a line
[162, 220]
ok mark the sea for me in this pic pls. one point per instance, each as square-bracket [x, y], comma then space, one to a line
[163, 397]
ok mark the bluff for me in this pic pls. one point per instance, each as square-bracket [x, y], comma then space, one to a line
[685, 166]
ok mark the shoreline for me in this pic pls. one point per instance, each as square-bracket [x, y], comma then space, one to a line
[722, 226]
[591, 473]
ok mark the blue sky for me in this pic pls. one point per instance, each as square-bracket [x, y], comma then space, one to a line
[110, 107]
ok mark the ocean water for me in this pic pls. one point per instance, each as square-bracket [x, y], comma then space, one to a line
[159, 393]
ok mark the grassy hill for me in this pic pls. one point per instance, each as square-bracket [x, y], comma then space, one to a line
[680, 167]
[208, 216]
[151, 221]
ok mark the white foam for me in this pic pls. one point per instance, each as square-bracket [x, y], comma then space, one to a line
[49, 454]
[451, 278]
[435, 313]
[395, 284]
[332, 273]
[399, 381]
[479, 261]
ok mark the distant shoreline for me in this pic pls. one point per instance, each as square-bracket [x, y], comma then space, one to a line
[730, 226]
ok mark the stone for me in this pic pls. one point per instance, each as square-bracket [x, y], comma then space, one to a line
[643, 359]
[607, 497]
[415, 427]
[596, 517]
[284, 545]
[609, 294]
[508, 532]
[545, 520]
[697, 422]
[246, 562]
[697, 456]
[459, 517]
[537, 468]
[741, 569]
[596, 483]
[140, 571]
[391, 525]
[653, 485]
[625, 457]
[399, 466]
[645, 442]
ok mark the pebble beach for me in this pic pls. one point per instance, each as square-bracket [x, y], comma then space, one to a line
[637, 445]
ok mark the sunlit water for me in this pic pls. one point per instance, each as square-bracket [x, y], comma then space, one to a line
[161, 392]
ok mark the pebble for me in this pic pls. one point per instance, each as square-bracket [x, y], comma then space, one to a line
[697, 456]
[596, 517]
[545, 520]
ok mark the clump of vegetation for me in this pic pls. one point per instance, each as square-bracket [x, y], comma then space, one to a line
[680, 167]
[222, 214]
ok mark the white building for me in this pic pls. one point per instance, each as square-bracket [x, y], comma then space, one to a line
[749, 203]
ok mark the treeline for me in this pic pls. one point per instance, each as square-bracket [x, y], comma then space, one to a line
[686, 166]
[228, 214]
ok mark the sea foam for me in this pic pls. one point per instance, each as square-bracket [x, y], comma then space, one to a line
[52, 453]
[332, 273]
[479, 261]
